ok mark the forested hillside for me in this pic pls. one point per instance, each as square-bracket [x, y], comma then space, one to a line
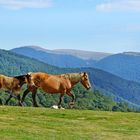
[125, 65]
[13, 64]
[125, 89]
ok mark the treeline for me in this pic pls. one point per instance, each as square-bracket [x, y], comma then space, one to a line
[92, 100]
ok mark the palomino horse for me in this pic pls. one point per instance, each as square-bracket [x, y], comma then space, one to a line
[13, 85]
[55, 84]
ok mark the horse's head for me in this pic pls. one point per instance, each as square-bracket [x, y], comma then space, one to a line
[28, 78]
[22, 79]
[85, 80]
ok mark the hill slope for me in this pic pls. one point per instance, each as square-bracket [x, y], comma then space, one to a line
[56, 59]
[125, 65]
[39, 123]
[126, 89]
[13, 64]
[86, 55]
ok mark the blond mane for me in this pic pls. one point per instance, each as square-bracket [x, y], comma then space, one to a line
[73, 77]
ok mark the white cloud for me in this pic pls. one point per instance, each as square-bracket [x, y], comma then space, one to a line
[119, 5]
[19, 4]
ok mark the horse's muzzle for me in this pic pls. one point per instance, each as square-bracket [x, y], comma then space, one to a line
[88, 88]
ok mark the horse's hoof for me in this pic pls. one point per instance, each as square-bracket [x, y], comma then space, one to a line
[21, 104]
[6, 103]
[71, 104]
[36, 105]
[60, 107]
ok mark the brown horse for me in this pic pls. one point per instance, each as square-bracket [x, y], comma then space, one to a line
[55, 84]
[13, 85]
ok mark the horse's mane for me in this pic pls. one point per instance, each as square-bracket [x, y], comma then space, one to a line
[21, 78]
[73, 77]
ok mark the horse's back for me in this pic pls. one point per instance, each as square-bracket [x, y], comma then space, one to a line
[6, 82]
[51, 83]
[55, 84]
[39, 75]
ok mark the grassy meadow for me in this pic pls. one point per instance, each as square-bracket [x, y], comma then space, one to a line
[27, 123]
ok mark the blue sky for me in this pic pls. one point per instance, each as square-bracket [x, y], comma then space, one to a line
[94, 25]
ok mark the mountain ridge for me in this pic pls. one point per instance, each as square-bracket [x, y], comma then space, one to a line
[60, 60]
[125, 65]
[83, 54]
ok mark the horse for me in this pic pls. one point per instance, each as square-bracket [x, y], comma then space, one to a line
[52, 84]
[13, 85]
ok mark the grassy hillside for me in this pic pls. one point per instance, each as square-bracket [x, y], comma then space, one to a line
[48, 124]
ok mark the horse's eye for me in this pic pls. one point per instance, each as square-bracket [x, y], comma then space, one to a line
[86, 78]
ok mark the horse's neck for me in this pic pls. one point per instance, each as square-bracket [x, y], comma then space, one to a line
[19, 80]
[74, 78]
[38, 78]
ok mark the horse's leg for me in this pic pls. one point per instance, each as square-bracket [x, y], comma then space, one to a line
[34, 91]
[70, 94]
[25, 93]
[8, 99]
[73, 99]
[19, 99]
[60, 100]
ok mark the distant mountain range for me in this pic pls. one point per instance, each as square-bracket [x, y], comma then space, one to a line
[125, 65]
[62, 58]
[86, 55]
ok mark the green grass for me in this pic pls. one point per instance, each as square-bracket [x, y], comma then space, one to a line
[26, 123]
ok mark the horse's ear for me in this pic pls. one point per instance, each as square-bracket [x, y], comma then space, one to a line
[29, 74]
[81, 73]
[85, 73]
